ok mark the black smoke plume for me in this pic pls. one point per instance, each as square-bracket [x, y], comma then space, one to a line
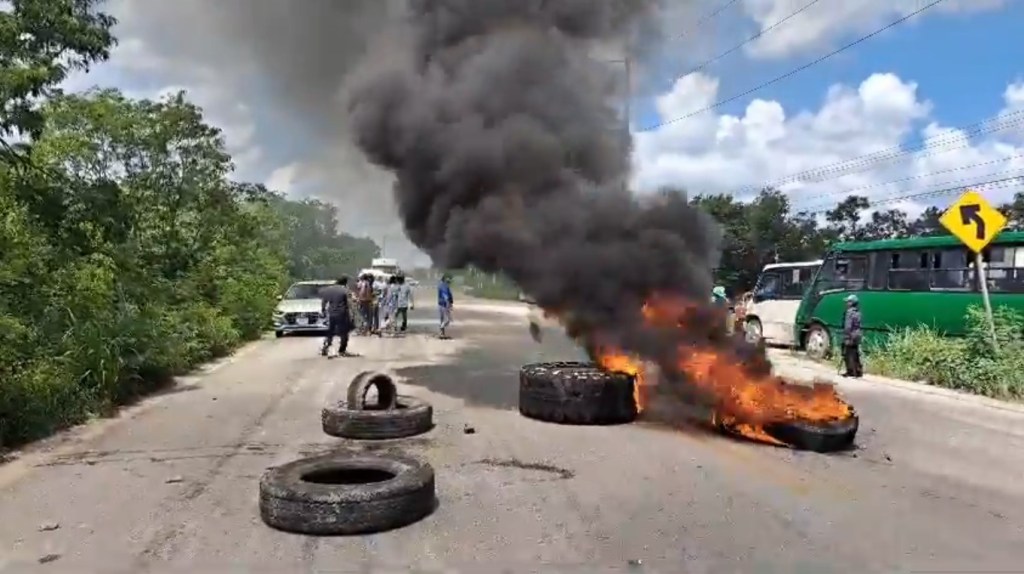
[507, 153]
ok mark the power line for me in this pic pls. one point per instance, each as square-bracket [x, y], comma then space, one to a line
[852, 191]
[707, 63]
[1000, 182]
[710, 16]
[799, 69]
[933, 147]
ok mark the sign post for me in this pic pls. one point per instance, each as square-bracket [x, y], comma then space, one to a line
[976, 223]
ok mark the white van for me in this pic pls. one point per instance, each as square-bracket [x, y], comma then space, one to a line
[771, 310]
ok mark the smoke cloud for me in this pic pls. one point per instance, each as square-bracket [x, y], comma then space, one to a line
[499, 127]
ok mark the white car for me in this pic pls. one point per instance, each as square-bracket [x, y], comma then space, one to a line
[299, 309]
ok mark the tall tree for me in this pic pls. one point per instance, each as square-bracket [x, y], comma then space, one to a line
[845, 218]
[927, 224]
[41, 42]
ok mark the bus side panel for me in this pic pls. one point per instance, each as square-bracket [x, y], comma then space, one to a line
[943, 311]
[829, 312]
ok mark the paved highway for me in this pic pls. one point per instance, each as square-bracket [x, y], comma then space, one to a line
[171, 484]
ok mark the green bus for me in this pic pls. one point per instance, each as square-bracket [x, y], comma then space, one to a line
[905, 283]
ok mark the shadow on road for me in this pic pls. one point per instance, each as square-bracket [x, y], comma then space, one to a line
[487, 372]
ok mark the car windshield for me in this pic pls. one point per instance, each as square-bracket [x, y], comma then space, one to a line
[304, 291]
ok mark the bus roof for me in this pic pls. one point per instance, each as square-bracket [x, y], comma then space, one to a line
[814, 263]
[948, 240]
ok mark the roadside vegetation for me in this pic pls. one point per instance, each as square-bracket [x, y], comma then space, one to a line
[127, 252]
[968, 364]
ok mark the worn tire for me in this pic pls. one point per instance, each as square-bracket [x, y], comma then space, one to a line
[290, 502]
[818, 342]
[387, 392]
[411, 417]
[818, 437]
[576, 393]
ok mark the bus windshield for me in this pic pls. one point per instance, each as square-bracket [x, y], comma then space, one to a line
[788, 280]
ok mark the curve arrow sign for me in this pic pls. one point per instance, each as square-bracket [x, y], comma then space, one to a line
[971, 214]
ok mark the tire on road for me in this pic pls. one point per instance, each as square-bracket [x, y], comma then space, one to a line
[818, 436]
[387, 392]
[340, 494]
[410, 417]
[576, 393]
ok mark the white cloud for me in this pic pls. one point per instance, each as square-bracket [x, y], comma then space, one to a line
[711, 153]
[825, 22]
[141, 71]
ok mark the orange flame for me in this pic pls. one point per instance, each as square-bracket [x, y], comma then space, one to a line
[744, 402]
[622, 363]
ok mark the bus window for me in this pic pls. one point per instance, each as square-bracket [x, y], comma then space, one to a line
[950, 270]
[770, 285]
[908, 271]
[1005, 271]
[879, 276]
[851, 272]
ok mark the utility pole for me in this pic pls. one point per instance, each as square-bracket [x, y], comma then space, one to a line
[628, 63]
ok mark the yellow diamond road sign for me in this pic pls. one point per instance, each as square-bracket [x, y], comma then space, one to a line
[973, 220]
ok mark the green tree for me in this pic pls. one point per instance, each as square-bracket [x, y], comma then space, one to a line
[41, 42]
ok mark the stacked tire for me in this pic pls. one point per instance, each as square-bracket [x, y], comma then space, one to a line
[576, 393]
[346, 493]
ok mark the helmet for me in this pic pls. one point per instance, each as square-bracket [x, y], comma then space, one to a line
[851, 299]
[718, 291]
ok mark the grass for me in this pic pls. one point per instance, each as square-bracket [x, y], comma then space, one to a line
[967, 363]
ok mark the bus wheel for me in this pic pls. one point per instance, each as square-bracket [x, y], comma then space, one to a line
[752, 330]
[819, 343]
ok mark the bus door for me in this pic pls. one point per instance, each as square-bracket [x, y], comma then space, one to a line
[840, 272]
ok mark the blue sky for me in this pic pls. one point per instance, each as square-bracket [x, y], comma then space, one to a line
[962, 62]
[957, 64]
[954, 65]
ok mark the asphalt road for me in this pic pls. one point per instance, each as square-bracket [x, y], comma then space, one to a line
[171, 484]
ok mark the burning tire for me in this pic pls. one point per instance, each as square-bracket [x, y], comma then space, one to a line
[576, 393]
[410, 417]
[341, 494]
[818, 436]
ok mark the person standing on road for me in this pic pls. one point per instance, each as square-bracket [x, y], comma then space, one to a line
[445, 302]
[334, 306]
[403, 302]
[364, 296]
[387, 306]
[852, 335]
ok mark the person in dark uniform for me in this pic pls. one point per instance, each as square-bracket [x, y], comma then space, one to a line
[334, 305]
[852, 335]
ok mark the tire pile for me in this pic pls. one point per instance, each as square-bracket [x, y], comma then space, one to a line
[585, 394]
[345, 494]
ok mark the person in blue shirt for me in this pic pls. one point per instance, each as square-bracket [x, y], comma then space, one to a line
[444, 304]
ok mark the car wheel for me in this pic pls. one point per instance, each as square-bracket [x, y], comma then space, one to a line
[279, 334]
[753, 331]
[819, 342]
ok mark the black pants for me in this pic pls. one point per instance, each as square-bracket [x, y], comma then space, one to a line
[338, 326]
[851, 359]
[402, 313]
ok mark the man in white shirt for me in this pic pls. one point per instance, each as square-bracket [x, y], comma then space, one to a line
[403, 302]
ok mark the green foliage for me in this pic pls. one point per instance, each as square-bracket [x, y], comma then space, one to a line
[969, 364]
[765, 229]
[128, 256]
